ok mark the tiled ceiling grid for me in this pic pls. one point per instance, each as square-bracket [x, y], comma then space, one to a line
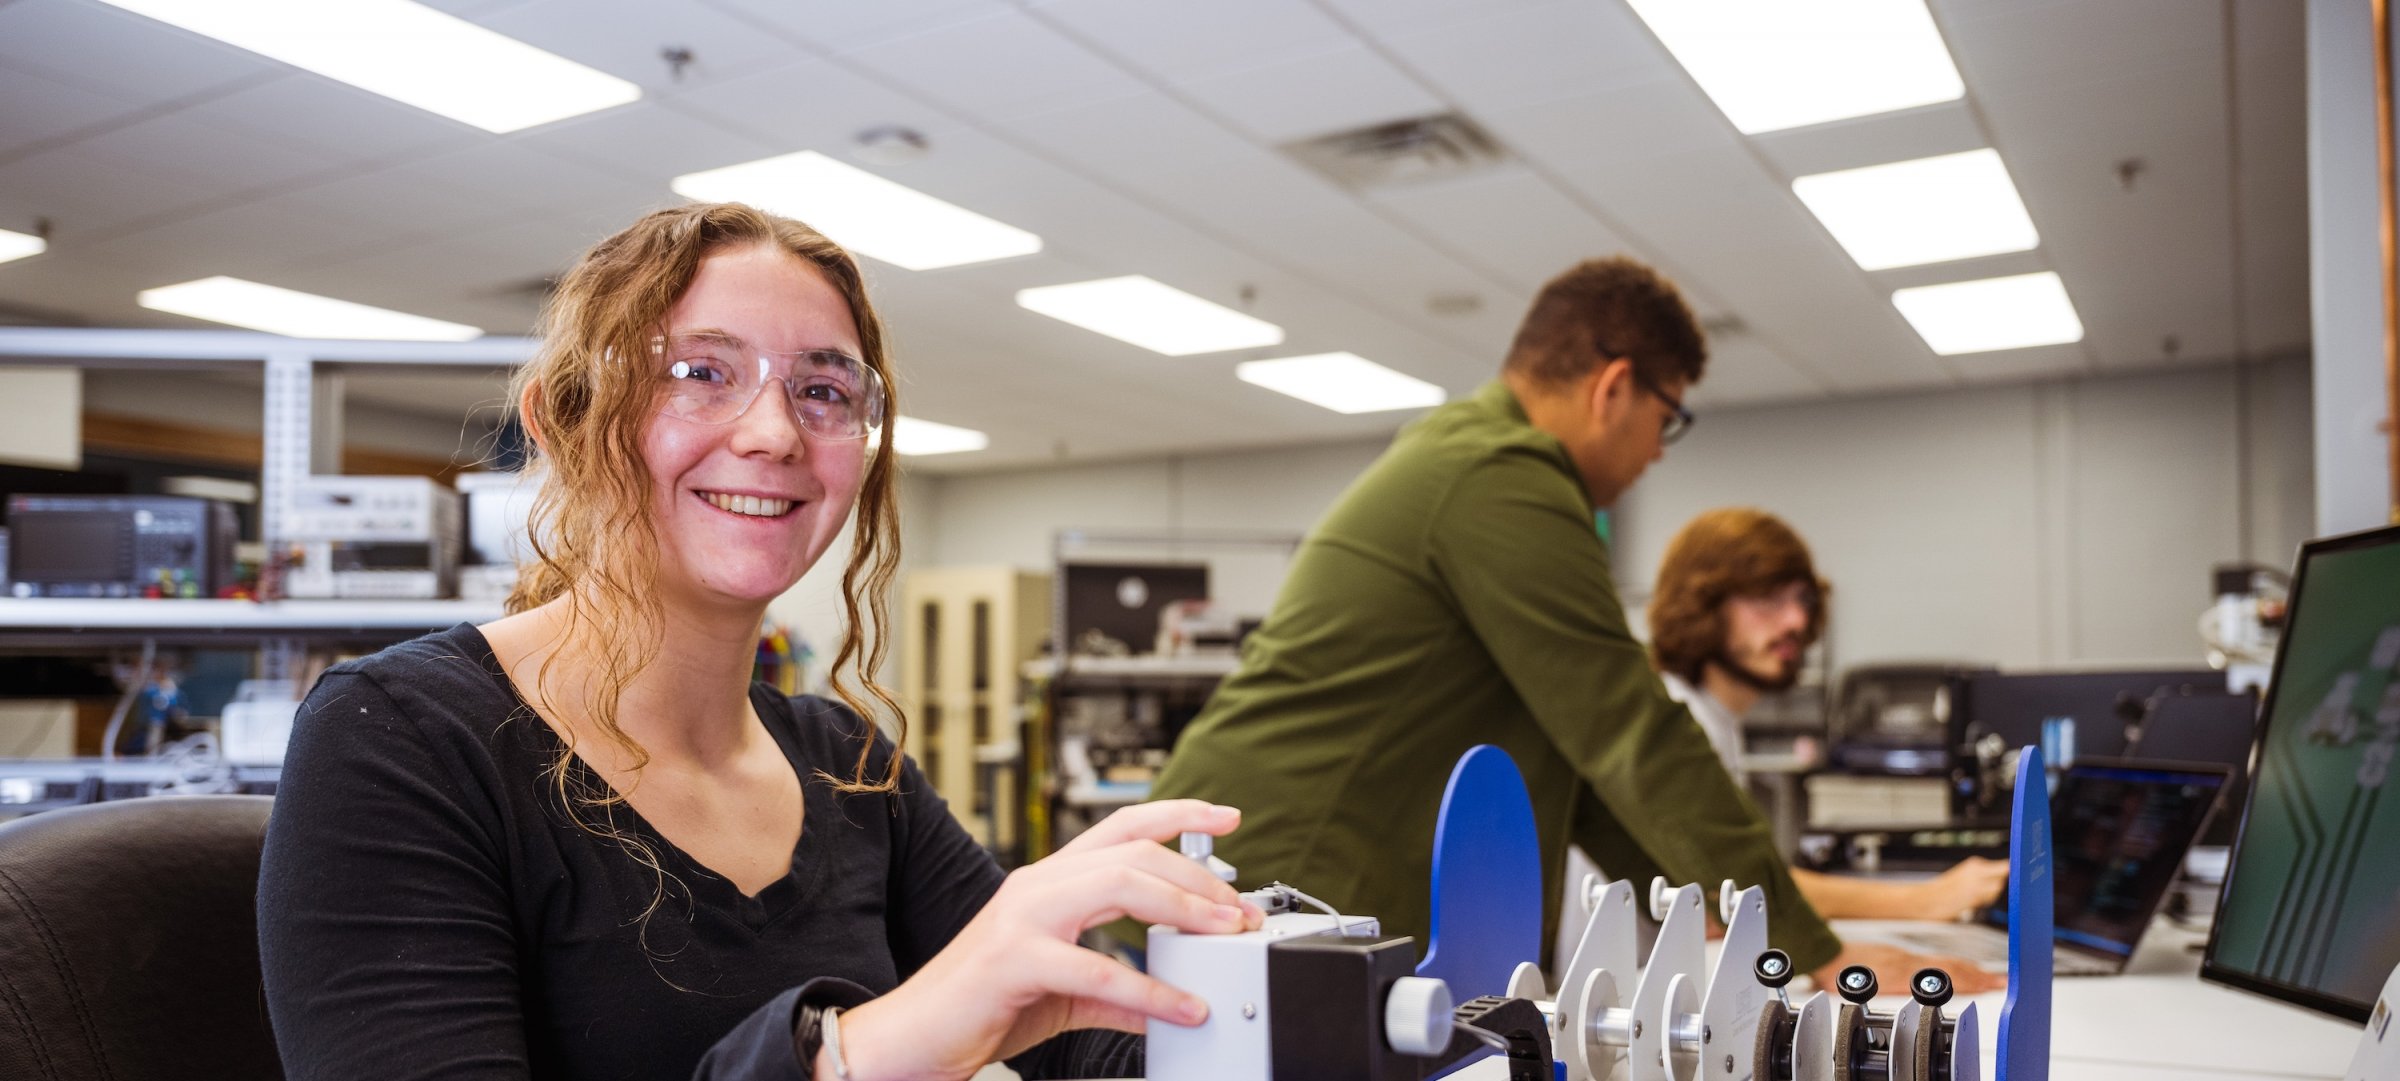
[1141, 136]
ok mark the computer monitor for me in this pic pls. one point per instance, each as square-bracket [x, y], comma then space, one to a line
[2069, 715]
[2204, 726]
[1121, 602]
[2306, 913]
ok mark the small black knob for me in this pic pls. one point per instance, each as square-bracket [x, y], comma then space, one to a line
[1931, 988]
[1773, 968]
[1856, 983]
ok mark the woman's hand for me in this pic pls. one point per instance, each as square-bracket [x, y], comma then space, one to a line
[1015, 977]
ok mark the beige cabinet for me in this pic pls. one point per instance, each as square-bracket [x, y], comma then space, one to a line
[966, 632]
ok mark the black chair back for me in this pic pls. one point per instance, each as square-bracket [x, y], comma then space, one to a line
[129, 943]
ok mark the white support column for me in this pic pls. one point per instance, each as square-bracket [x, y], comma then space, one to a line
[2346, 269]
[286, 431]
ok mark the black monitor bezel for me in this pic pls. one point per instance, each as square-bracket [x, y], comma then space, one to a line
[2226, 975]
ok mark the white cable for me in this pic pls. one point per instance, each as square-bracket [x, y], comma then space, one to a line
[1492, 1040]
[1342, 928]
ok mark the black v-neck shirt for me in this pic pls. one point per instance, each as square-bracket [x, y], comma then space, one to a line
[427, 909]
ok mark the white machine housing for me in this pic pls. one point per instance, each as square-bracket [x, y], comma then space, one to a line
[379, 537]
[1230, 973]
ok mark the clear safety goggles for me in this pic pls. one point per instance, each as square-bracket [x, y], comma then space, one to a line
[713, 378]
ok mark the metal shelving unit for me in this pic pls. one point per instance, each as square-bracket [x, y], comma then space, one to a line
[300, 434]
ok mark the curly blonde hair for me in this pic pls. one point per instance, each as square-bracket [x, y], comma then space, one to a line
[591, 527]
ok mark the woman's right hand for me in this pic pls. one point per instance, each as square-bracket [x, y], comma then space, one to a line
[1015, 975]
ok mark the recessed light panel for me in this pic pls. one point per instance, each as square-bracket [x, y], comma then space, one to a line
[20, 245]
[302, 315]
[1776, 64]
[915, 437]
[862, 211]
[1342, 382]
[2015, 312]
[407, 52]
[1931, 210]
[1159, 318]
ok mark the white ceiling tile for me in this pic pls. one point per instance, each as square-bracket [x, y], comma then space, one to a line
[2063, 46]
[1131, 140]
[1522, 56]
[1904, 135]
[1303, 97]
[110, 51]
[143, 172]
[1743, 370]
[997, 65]
[1514, 221]
[66, 108]
[630, 38]
[264, 236]
[340, 121]
[1391, 18]
[806, 104]
[1180, 41]
[1136, 136]
[840, 25]
[644, 145]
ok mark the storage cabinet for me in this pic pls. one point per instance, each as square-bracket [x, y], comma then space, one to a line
[965, 634]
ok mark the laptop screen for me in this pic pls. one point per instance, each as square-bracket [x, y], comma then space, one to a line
[2121, 831]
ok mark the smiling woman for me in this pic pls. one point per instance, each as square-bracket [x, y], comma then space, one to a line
[580, 842]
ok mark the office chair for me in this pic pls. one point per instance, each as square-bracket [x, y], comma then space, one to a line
[129, 943]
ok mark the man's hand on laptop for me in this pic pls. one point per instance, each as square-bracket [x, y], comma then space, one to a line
[1894, 967]
[1968, 886]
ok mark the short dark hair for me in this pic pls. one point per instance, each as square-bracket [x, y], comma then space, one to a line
[1726, 553]
[1601, 309]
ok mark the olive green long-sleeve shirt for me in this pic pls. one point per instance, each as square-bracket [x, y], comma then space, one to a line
[1457, 594]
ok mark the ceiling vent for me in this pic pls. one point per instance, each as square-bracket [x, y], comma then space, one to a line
[1401, 152]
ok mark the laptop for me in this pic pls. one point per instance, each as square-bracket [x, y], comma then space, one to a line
[2120, 832]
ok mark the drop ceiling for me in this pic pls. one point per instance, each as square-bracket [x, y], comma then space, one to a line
[2159, 146]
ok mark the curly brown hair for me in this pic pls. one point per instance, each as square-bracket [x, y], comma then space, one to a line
[1602, 309]
[1725, 553]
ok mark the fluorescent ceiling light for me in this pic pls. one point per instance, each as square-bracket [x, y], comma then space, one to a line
[301, 315]
[1342, 382]
[1776, 64]
[20, 245]
[913, 437]
[1930, 210]
[407, 52]
[861, 211]
[1159, 318]
[1994, 313]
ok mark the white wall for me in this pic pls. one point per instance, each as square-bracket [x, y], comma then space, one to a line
[2059, 523]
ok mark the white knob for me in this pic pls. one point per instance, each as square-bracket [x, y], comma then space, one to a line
[1417, 1018]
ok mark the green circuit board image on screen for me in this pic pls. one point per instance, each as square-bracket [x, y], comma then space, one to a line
[2314, 900]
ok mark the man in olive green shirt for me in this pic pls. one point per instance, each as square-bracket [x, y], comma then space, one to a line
[1457, 594]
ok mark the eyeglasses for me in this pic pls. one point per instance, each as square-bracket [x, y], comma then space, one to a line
[1678, 419]
[714, 378]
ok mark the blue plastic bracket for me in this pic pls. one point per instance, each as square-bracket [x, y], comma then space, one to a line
[2024, 1051]
[1487, 878]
